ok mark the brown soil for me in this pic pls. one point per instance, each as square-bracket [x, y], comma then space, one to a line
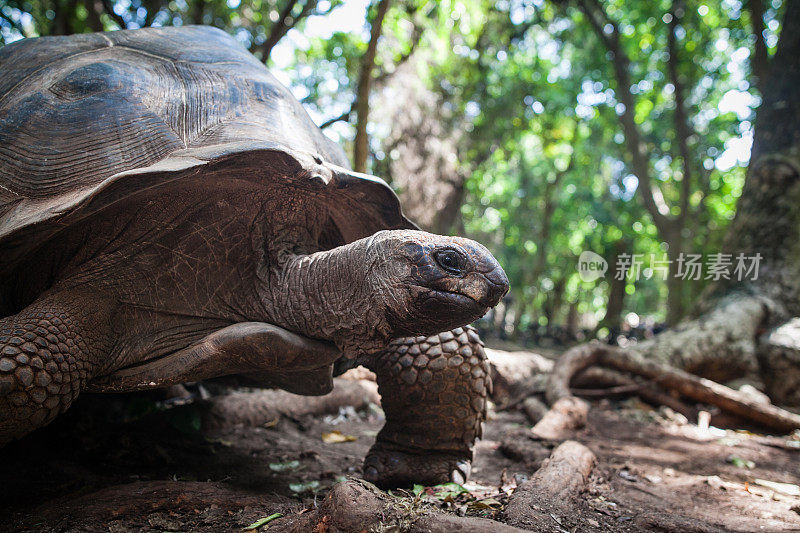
[119, 463]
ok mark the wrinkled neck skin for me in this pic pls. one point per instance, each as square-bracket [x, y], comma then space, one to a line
[335, 295]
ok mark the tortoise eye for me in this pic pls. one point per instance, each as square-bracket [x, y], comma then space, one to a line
[450, 260]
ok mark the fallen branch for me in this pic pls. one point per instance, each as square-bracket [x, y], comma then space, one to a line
[552, 489]
[355, 505]
[567, 410]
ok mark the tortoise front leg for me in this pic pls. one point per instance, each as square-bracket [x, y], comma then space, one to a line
[48, 352]
[263, 353]
[433, 391]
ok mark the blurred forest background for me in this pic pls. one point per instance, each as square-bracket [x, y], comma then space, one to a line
[541, 128]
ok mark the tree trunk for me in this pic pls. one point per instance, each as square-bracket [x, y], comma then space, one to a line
[571, 322]
[760, 60]
[93, 10]
[670, 227]
[744, 324]
[616, 296]
[198, 10]
[552, 306]
[675, 283]
[361, 143]
[64, 17]
[425, 169]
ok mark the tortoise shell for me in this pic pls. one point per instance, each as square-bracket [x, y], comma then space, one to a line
[88, 120]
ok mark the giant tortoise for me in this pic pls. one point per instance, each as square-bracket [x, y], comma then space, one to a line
[170, 213]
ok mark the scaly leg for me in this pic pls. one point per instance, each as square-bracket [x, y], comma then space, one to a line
[47, 354]
[433, 391]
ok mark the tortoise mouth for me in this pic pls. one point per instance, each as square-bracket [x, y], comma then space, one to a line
[459, 299]
[435, 310]
[450, 305]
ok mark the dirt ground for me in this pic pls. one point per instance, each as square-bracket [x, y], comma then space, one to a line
[129, 463]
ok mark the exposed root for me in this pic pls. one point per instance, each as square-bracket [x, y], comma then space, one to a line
[355, 505]
[564, 417]
[779, 358]
[534, 408]
[610, 392]
[566, 411]
[720, 344]
[258, 407]
[553, 488]
[516, 375]
[612, 383]
[572, 362]
[704, 390]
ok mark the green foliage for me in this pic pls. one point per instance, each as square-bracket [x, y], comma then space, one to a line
[528, 92]
[263, 521]
[548, 169]
[251, 21]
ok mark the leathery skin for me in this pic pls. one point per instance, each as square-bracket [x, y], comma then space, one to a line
[46, 358]
[433, 391]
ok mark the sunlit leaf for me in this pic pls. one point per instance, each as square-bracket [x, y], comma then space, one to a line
[336, 436]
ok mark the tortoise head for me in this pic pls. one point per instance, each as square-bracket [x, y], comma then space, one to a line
[431, 283]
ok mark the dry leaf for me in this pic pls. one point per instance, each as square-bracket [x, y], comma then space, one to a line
[337, 436]
[488, 503]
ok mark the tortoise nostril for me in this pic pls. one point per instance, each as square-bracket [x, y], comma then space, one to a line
[498, 286]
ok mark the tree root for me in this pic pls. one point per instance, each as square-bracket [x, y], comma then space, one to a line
[552, 489]
[258, 407]
[516, 375]
[617, 383]
[355, 505]
[613, 391]
[568, 412]
[534, 408]
[564, 417]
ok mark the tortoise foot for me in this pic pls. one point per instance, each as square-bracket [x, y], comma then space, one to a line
[391, 468]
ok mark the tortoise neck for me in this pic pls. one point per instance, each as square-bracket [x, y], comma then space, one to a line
[329, 295]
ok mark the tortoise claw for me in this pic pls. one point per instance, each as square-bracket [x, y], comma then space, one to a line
[461, 473]
[392, 468]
